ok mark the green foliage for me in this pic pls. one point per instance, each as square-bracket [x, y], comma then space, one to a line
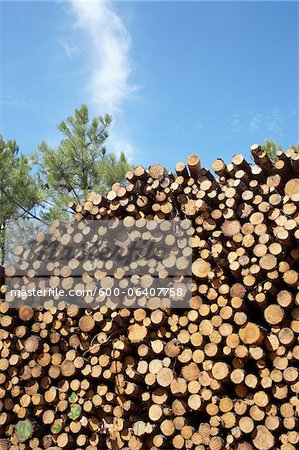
[271, 148]
[112, 170]
[295, 147]
[20, 233]
[79, 163]
[19, 193]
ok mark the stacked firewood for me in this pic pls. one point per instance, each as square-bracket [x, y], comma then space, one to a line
[221, 373]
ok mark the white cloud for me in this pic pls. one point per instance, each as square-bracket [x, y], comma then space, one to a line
[275, 121]
[255, 122]
[109, 44]
[11, 100]
[70, 49]
[272, 122]
[18, 101]
[117, 145]
[235, 123]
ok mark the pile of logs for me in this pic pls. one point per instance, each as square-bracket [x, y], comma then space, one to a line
[220, 374]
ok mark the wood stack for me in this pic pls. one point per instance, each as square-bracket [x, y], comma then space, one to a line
[221, 374]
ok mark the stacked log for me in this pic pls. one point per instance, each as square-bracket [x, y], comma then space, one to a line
[220, 374]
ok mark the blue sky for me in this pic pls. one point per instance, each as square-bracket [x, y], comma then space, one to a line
[178, 77]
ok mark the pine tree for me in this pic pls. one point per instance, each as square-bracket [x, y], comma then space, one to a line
[19, 193]
[295, 147]
[112, 170]
[79, 163]
[271, 148]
